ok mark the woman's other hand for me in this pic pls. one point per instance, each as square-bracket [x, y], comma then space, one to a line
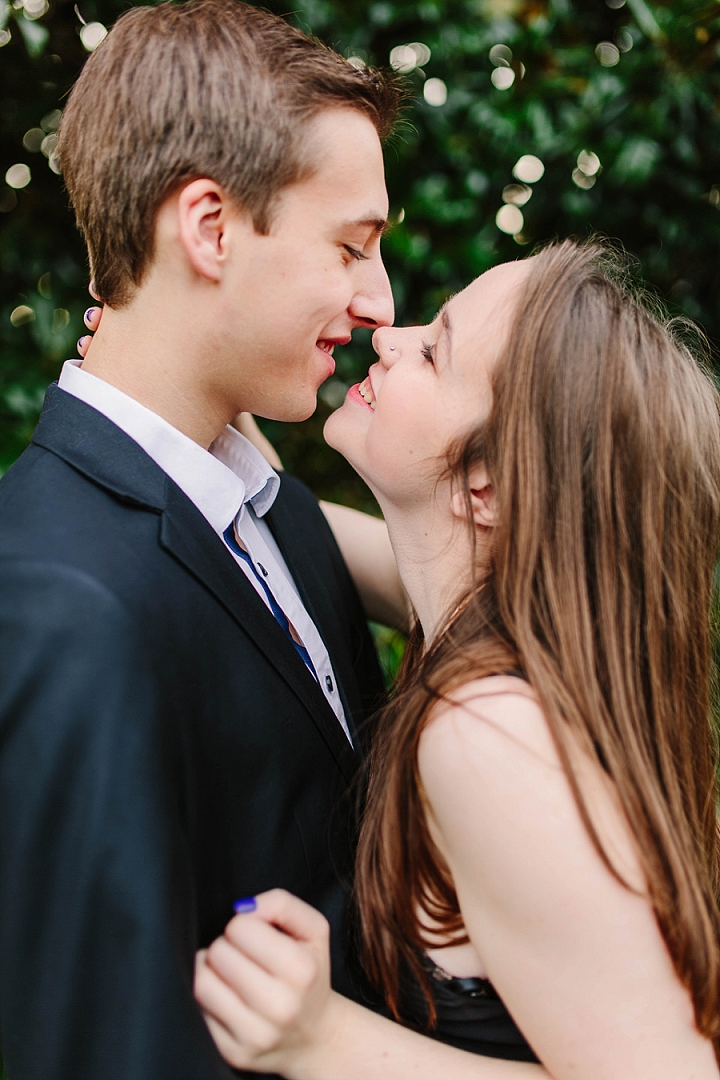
[91, 318]
[264, 986]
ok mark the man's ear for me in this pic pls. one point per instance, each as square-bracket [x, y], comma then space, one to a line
[203, 214]
[482, 499]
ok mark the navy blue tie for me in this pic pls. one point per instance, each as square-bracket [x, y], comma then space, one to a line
[280, 616]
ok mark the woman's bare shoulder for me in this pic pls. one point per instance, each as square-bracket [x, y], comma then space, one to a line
[489, 749]
[497, 714]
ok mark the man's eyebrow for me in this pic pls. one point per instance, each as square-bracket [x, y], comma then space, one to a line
[445, 318]
[377, 224]
[444, 314]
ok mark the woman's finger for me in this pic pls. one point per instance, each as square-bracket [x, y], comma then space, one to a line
[276, 1000]
[92, 317]
[281, 956]
[83, 344]
[234, 1052]
[91, 290]
[292, 915]
[231, 1014]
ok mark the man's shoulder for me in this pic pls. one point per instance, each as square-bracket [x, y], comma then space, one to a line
[69, 536]
[297, 495]
[298, 509]
[47, 504]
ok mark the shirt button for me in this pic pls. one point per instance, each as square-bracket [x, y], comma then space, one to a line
[263, 570]
[329, 684]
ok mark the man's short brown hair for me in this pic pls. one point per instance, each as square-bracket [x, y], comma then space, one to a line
[211, 88]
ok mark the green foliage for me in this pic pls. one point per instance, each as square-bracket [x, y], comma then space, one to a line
[391, 647]
[637, 85]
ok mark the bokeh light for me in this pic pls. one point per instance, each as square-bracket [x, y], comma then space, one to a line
[509, 219]
[435, 92]
[22, 314]
[588, 163]
[516, 194]
[35, 9]
[18, 176]
[92, 34]
[502, 78]
[624, 40]
[529, 169]
[51, 122]
[582, 180]
[406, 58]
[32, 139]
[607, 53]
[501, 56]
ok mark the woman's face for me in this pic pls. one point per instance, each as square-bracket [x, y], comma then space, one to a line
[430, 385]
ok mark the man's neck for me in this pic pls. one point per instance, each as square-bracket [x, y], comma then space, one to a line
[144, 351]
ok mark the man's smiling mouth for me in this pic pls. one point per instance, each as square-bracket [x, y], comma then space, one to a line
[328, 344]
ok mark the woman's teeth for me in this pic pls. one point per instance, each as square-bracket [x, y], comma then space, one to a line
[366, 392]
[326, 346]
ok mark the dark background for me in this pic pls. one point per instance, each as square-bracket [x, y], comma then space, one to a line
[651, 114]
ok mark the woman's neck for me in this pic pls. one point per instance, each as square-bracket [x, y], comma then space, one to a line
[434, 553]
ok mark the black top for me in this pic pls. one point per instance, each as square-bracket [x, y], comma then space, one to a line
[470, 1012]
[470, 1016]
[164, 751]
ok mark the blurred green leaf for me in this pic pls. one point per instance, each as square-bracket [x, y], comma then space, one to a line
[35, 34]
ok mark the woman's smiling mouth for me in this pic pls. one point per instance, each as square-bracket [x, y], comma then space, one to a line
[366, 392]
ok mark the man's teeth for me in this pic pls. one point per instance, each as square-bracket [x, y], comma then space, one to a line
[366, 393]
[327, 346]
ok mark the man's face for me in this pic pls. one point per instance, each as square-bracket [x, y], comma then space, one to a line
[290, 297]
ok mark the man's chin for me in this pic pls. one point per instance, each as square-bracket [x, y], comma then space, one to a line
[292, 412]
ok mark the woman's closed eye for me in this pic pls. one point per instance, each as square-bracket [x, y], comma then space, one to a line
[355, 253]
[427, 352]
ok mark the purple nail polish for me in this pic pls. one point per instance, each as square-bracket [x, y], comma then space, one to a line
[79, 342]
[244, 906]
[89, 312]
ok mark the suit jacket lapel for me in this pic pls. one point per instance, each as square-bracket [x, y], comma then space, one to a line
[302, 564]
[191, 540]
[95, 446]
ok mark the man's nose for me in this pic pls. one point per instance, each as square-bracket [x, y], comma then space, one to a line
[373, 304]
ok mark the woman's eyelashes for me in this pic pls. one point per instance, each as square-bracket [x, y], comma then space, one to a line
[427, 352]
[355, 253]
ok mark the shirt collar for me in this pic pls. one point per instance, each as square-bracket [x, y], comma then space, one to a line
[219, 481]
[261, 481]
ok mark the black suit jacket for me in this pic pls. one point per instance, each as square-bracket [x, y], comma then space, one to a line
[164, 751]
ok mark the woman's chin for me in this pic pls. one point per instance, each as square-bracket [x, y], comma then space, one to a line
[341, 434]
[337, 431]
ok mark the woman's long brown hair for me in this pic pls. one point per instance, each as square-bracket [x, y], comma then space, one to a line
[603, 446]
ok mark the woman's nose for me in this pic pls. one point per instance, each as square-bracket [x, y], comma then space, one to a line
[385, 344]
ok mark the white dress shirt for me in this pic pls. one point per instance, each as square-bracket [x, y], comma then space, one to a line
[230, 482]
